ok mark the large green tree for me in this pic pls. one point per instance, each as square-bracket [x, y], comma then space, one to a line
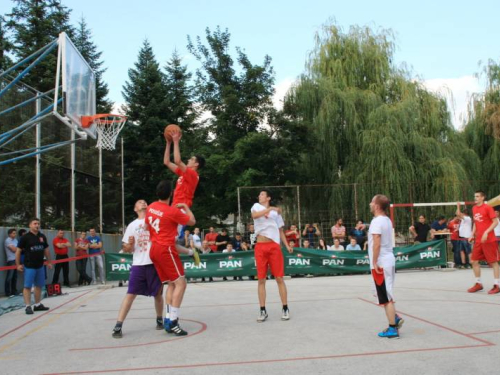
[34, 24]
[5, 46]
[372, 123]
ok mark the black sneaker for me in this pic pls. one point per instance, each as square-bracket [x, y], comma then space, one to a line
[159, 324]
[40, 307]
[176, 329]
[29, 310]
[117, 333]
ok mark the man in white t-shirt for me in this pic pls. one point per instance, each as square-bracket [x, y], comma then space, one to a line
[269, 230]
[497, 228]
[197, 238]
[464, 233]
[383, 262]
[143, 277]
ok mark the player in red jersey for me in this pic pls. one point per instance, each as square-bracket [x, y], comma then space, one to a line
[163, 220]
[485, 246]
[186, 183]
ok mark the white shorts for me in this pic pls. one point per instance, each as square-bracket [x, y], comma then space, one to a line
[383, 285]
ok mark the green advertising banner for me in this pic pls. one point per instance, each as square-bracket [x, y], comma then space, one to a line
[300, 262]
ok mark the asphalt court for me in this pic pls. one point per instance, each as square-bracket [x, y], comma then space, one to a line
[333, 327]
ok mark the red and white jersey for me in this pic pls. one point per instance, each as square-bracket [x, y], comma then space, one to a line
[163, 221]
[483, 217]
[185, 187]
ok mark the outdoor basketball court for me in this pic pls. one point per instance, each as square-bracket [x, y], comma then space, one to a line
[333, 328]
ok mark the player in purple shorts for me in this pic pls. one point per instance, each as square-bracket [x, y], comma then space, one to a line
[143, 277]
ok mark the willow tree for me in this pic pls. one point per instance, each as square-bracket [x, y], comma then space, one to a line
[482, 130]
[373, 124]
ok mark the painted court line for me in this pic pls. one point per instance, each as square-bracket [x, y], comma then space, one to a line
[201, 330]
[43, 314]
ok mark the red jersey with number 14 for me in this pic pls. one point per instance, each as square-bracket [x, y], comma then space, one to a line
[185, 187]
[163, 220]
[483, 217]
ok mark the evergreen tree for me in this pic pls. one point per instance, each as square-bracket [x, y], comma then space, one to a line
[5, 46]
[34, 24]
[83, 41]
[146, 108]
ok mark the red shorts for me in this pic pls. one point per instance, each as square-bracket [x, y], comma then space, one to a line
[167, 262]
[487, 251]
[269, 255]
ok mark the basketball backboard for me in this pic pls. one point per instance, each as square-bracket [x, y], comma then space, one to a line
[78, 87]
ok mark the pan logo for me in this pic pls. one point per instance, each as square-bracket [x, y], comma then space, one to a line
[299, 261]
[121, 267]
[230, 264]
[333, 262]
[401, 257]
[192, 266]
[362, 261]
[430, 255]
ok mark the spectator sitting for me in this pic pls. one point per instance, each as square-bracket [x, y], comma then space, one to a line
[237, 240]
[292, 243]
[211, 237]
[188, 241]
[250, 236]
[10, 247]
[306, 245]
[310, 231]
[359, 233]
[438, 225]
[336, 246]
[353, 245]
[222, 240]
[230, 249]
[420, 230]
[338, 230]
[244, 246]
[292, 234]
[322, 244]
[197, 238]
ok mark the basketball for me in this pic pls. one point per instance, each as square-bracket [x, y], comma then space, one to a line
[172, 128]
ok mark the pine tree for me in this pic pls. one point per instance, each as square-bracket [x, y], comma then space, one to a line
[146, 108]
[34, 24]
[83, 41]
[5, 46]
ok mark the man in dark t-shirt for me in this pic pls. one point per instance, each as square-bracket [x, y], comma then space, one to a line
[437, 226]
[34, 246]
[420, 229]
[222, 241]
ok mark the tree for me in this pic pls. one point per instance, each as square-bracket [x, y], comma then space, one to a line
[373, 124]
[5, 46]
[34, 24]
[83, 41]
[146, 108]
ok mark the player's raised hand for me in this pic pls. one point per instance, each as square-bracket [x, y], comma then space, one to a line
[176, 136]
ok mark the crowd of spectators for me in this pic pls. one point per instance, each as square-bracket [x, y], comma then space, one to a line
[14, 246]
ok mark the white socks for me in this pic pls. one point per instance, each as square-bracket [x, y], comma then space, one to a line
[478, 280]
[174, 313]
[497, 281]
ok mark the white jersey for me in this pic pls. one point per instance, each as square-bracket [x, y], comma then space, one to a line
[465, 228]
[382, 225]
[268, 225]
[497, 229]
[138, 230]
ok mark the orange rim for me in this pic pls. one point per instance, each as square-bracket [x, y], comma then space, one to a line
[87, 121]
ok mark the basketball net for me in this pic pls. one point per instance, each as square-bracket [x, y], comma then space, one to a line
[108, 127]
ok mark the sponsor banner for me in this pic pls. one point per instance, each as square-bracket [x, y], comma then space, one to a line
[300, 262]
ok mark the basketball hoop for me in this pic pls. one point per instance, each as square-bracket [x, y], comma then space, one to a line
[108, 126]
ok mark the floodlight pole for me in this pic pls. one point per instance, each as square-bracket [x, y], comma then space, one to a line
[100, 190]
[239, 209]
[298, 209]
[73, 162]
[123, 189]
[38, 108]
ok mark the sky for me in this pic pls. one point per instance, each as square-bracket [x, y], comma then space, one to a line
[441, 41]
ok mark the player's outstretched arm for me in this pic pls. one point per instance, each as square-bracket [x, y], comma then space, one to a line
[176, 138]
[166, 158]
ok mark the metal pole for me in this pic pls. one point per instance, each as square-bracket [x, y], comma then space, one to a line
[100, 190]
[298, 209]
[356, 201]
[73, 182]
[239, 210]
[38, 141]
[123, 190]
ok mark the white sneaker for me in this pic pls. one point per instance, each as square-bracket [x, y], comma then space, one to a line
[285, 315]
[262, 316]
